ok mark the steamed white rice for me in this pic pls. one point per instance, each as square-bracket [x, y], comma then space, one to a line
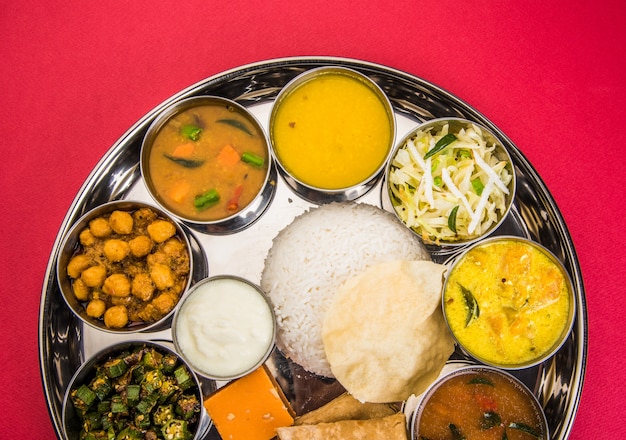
[313, 256]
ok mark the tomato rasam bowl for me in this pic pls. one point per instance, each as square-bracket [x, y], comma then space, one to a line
[479, 402]
[206, 160]
[331, 131]
[508, 302]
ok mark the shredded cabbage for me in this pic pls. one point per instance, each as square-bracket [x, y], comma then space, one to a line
[466, 174]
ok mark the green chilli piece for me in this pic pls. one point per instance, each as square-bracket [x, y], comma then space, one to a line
[252, 159]
[237, 124]
[473, 311]
[478, 186]
[452, 219]
[440, 145]
[209, 198]
[191, 131]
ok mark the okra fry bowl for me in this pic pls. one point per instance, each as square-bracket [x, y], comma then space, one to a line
[133, 388]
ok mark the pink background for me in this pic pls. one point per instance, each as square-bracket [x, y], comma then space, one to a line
[76, 75]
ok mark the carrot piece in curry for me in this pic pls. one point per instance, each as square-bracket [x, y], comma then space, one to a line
[228, 156]
[179, 190]
[184, 150]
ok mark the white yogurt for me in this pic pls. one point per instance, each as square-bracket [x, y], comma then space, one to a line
[224, 328]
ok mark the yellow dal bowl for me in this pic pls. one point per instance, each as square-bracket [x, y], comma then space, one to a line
[332, 130]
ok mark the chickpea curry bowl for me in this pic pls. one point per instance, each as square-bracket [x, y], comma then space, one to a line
[124, 266]
[206, 161]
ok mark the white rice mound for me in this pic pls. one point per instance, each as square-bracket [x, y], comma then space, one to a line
[313, 256]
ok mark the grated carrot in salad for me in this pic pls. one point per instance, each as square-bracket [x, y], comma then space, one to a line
[458, 193]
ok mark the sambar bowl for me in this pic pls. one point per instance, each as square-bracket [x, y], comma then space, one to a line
[133, 388]
[206, 161]
[225, 327]
[123, 267]
[331, 131]
[479, 402]
[451, 181]
[508, 302]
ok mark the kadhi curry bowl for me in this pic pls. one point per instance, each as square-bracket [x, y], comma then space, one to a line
[451, 181]
[509, 302]
[131, 389]
[331, 131]
[479, 402]
[206, 160]
[123, 267]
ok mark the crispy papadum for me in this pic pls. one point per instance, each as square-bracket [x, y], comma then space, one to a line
[384, 333]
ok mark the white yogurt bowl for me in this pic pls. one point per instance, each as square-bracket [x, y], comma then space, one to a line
[225, 327]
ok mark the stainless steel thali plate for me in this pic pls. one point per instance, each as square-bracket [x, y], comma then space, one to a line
[64, 343]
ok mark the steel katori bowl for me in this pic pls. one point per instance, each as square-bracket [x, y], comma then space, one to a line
[331, 131]
[164, 381]
[509, 302]
[237, 192]
[485, 395]
[451, 181]
[93, 249]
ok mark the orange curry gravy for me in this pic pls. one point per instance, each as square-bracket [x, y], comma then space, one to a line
[208, 162]
[480, 405]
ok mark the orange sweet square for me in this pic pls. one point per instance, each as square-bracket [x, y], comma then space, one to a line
[250, 408]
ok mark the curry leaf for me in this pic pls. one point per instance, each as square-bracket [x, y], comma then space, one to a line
[490, 420]
[456, 434]
[480, 380]
[525, 428]
[237, 124]
[473, 311]
[187, 163]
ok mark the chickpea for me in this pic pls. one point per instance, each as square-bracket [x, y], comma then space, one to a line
[116, 250]
[94, 276]
[162, 276]
[142, 287]
[164, 302]
[156, 258]
[140, 246]
[100, 228]
[121, 222]
[116, 317]
[96, 308]
[77, 264]
[86, 238]
[161, 230]
[174, 247]
[80, 289]
[117, 285]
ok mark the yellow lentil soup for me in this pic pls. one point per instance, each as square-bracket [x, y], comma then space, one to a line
[208, 162]
[508, 302]
[332, 131]
[479, 403]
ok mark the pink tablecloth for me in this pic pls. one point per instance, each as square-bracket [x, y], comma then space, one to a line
[75, 76]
